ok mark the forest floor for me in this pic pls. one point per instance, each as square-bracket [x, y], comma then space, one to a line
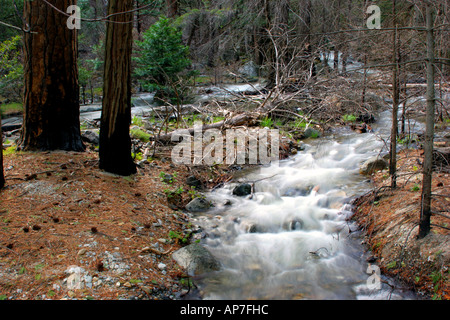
[59, 212]
[390, 220]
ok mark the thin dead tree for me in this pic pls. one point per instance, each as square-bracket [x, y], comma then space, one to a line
[425, 215]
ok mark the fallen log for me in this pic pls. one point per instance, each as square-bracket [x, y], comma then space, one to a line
[236, 121]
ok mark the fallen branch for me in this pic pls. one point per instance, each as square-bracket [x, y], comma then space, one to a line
[153, 250]
[238, 120]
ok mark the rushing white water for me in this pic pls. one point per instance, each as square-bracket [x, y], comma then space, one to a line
[288, 241]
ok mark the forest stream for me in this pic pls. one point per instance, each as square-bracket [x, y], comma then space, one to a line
[292, 238]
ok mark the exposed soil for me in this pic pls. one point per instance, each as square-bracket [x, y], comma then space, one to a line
[390, 219]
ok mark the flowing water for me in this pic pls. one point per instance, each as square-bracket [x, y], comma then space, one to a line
[290, 241]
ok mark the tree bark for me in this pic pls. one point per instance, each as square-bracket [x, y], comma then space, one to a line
[51, 90]
[395, 104]
[115, 141]
[172, 8]
[2, 176]
[425, 216]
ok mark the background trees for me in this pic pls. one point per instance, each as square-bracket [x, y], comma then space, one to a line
[11, 69]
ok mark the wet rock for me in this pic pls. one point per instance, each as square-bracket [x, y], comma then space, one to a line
[196, 259]
[297, 191]
[167, 178]
[373, 165]
[294, 224]
[198, 205]
[242, 190]
[250, 69]
[366, 118]
[249, 227]
[194, 182]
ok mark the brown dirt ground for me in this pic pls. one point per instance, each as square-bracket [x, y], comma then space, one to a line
[390, 220]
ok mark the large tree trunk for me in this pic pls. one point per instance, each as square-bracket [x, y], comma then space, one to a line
[51, 94]
[424, 226]
[115, 141]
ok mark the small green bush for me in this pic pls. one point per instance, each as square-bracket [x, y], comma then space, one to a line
[349, 118]
[267, 122]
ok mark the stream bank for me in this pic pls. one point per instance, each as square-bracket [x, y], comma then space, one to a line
[389, 220]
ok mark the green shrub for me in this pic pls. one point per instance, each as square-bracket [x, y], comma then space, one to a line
[162, 57]
[267, 122]
[349, 118]
[11, 69]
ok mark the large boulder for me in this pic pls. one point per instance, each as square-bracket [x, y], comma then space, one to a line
[373, 165]
[196, 259]
[249, 70]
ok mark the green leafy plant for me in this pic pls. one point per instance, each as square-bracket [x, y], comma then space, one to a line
[195, 194]
[137, 121]
[11, 68]
[392, 265]
[167, 178]
[349, 118]
[135, 281]
[137, 156]
[178, 236]
[267, 122]
[171, 193]
[299, 123]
